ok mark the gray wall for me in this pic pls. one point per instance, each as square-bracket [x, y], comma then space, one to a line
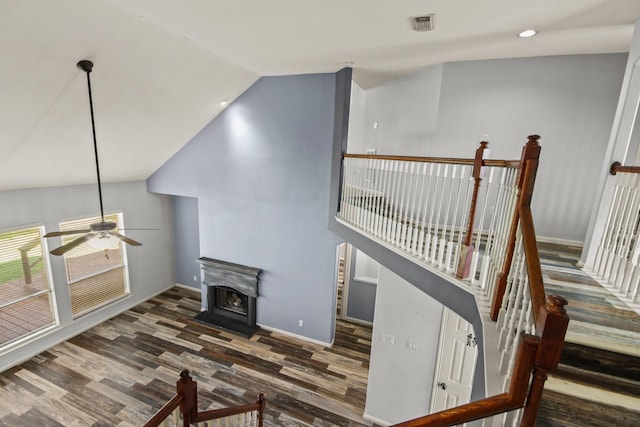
[187, 241]
[150, 265]
[261, 173]
[569, 100]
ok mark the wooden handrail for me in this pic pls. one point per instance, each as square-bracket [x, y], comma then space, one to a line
[536, 355]
[514, 164]
[530, 152]
[493, 405]
[235, 410]
[166, 410]
[186, 398]
[618, 167]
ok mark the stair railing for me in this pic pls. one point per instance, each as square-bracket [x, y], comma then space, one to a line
[182, 409]
[427, 208]
[456, 215]
[617, 261]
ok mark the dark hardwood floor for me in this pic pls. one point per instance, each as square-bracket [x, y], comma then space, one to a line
[120, 372]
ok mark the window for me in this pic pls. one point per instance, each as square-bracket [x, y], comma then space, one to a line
[27, 304]
[96, 276]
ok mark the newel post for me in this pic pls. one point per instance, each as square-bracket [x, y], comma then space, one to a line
[464, 261]
[530, 152]
[262, 402]
[188, 389]
[554, 317]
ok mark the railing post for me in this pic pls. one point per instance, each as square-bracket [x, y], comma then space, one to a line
[464, 261]
[189, 391]
[262, 402]
[556, 321]
[530, 151]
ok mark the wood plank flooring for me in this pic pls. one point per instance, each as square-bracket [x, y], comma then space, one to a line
[120, 372]
[598, 318]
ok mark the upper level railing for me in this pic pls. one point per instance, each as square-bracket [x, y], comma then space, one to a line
[182, 410]
[617, 261]
[470, 218]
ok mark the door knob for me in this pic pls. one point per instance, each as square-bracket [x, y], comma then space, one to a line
[442, 386]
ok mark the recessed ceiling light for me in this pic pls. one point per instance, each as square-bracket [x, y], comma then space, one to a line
[224, 102]
[527, 33]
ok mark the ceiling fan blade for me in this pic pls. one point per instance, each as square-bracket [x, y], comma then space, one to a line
[65, 233]
[74, 243]
[125, 239]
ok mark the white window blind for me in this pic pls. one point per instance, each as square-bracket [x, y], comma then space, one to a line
[95, 276]
[26, 295]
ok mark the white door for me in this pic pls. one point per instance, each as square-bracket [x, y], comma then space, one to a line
[456, 365]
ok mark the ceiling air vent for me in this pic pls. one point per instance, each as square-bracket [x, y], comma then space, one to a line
[423, 23]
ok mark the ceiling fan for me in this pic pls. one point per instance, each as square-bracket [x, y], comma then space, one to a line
[98, 230]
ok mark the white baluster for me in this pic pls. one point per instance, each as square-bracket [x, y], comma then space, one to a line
[384, 220]
[416, 241]
[492, 238]
[408, 238]
[423, 243]
[609, 232]
[451, 256]
[434, 247]
[379, 197]
[393, 201]
[404, 204]
[442, 255]
[618, 275]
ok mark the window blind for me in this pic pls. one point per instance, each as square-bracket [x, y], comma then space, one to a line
[26, 296]
[95, 276]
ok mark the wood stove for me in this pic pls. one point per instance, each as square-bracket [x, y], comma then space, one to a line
[232, 290]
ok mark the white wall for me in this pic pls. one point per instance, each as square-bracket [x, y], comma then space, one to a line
[400, 379]
[398, 117]
[151, 266]
[568, 100]
[622, 147]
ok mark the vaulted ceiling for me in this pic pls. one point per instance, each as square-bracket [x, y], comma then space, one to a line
[163, 66]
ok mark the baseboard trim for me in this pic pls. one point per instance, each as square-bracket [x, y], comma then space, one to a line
[191, 288]
[559, 241]
[374, 420]
[292, 335]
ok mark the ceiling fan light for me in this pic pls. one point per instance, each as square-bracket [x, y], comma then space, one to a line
[105, 242]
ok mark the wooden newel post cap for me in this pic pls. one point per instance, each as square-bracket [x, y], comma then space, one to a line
[184, 376]
[555, 304]
[613, 169]
[533, 139]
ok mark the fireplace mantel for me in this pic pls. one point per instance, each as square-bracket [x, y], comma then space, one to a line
[223, 280]
[242, 278]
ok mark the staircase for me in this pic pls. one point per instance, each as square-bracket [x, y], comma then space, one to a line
[598, 380]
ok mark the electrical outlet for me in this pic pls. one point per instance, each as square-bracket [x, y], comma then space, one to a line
[195, 278]
[300, 323]
[390, 339]
[412, 345]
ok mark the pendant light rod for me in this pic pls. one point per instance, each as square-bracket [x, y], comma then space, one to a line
[86, 66]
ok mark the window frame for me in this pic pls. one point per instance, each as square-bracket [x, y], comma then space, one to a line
[124, 264]
[53, 303]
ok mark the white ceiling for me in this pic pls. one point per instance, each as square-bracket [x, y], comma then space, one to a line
[163, 66]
